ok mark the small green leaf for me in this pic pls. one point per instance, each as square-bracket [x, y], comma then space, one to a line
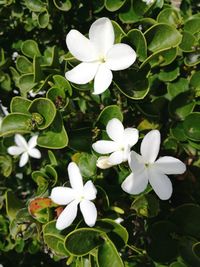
[62, 83]
[169, 16]
[64, 5]
[91, 238]
[12, 205]
[43, 19]
[188, 42]
[108, 113]
[26, 83]
[87, 164]
[114, 5]
[35, 5]
[30, 48]
[24, 65]
[191, 126]
[20, 105]
[192, 25]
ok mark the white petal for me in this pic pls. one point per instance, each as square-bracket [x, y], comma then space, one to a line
[160, 183]
[101, 33]
[75, 177]
[82, 73]
[135, 183]
[89, 190]
[131, 136]
[89, 212]
[170, 165]
[67, 216]
[103, 162]
[136, 162]
[34, 153]
[62, 195]
[115, 130]
[102, 80]
[81, 47]
[21, 141]
[150, 146]
[116, 157]
[120, 57]
[15, 150]
[33, 141]
[105, 147]
[23, 159]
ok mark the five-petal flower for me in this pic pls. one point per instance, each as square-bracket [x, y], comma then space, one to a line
[78, 194]
[99, 55]
[146, 168]
[123, 140]
[24, 149]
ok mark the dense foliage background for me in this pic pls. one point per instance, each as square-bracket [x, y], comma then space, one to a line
[160, 91]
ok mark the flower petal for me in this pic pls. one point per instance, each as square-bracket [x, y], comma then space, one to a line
[33, 141]
[160, 183]
[170, 165]
[117, 157]
[34, 153]
[115, 130]
[21, 141]
[62, 195]
[136, 163]
[101, 33]
[150, 146]
[120, 57]
[102, 80]
[131, 136]
[23, 159]
[67, 216]
[15, 150]
[81, 47]
[75, 177]
[89, 190]
[103, 162]
[105, 147]
[82, 73]
[89, 212]
[135, 183]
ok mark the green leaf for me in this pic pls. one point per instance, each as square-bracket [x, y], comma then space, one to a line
[62, 83]
[26, 83]
[51, 57]
[108, 113]
[38, 75]
[177, 87]
[91, 238]
[54, 239]
[187, 225]
[169, 74]
[16, 123]
[55, 136]
[195, 81]
[191, 126]
[35, 5]
[192, 25]
[6, 82]
[161, 37]
[24, 65]
[12, 205]
[188, 42]
[57, 96]
[87, 164]
[30, 48]
[20, 105]
[5, 165]
[137, 90]
[177, 264]
[137, 40]
[46, 109]
[43, 19]
[119, 33]
[170, 16]
[114, 5]
[64, 5]
[187, 253]
[108, 255]
[163, 246]
[192, 59]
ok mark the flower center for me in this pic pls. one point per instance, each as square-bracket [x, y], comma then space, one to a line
[102, 59]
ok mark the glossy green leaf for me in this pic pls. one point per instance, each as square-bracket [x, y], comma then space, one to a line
[192, 59]
[119, 33]
[90, 237]
[46, 109]
[114, 5]
[192, 25]
[35, 5]
[188, 42]
[57, 96]
[177, 87]
[87, 164]
[195, 81]
[109, 113]
[187, 253]
[43, 19]
[169, 74]
[170, 16]
[16, 123]
[63, 5]
[6, 165]
[135, 90]
[108, 255]
[20, 105]
[24, 65]
[12, 205]
[38, 75]
[30, 48]
[55, 136]
[191, 126]
[62, 83]
[26, 83]
[54, 239]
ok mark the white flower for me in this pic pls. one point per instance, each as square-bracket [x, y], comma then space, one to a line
[146, 168]
[24, 149]
[98, 54]
[123, 140]
[149, 2]
[78, 194]
[103, 162]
